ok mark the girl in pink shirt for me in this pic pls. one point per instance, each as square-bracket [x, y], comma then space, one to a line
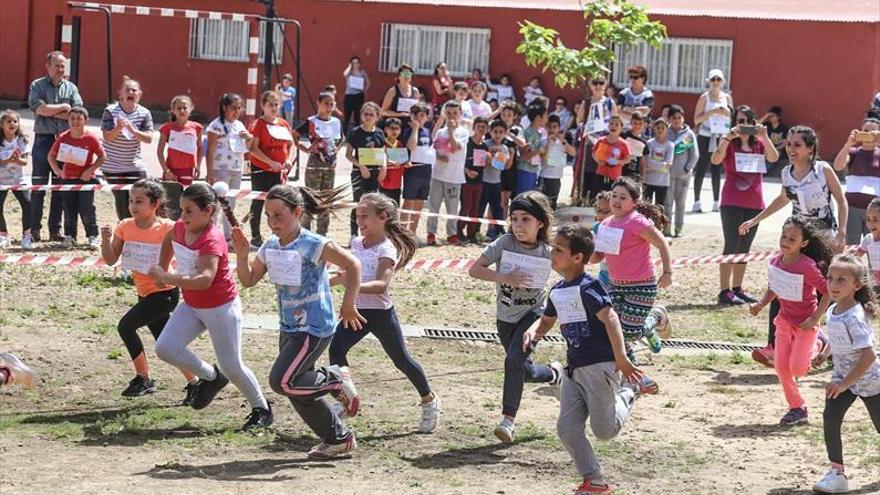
[624, 241]
[796, 274]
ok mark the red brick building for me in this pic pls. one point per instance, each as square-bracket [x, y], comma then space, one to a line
[819, 60]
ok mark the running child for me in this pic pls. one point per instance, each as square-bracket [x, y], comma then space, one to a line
[795, 277]
[180, 165]
[500, 160]
[476, 162]
[81, 155]
[228, 141]
[366, 152]
[383, 247]
[522, 259]
[15, 149]
[592, 384]
[210, 302]
[325, 134]
[397, 160]
[856, 367]
[624, 242]
[137, 240]
[417, 175]
[271, 156]
[657, 164]
[554, 158]
[296, 261]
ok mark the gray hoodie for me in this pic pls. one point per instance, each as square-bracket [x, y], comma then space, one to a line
[686, 151]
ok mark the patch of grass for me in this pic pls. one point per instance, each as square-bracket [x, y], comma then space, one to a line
[114, 354]
[737, 357]
[103, 328]
[26, 311]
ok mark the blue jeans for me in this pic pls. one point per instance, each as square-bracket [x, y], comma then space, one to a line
[41, 173]
[526, 181]
[492, 198]
[518, 368]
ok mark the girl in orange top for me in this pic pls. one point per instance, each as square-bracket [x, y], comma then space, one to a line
[138, 242]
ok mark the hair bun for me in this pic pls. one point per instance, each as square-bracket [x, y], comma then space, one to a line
[221, 189]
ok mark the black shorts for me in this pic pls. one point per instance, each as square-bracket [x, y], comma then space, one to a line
[731, 218]
[508, 180]
[417, 183]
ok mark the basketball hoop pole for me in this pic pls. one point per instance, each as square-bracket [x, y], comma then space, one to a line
[75, 46]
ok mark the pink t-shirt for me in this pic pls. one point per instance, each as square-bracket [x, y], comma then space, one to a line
[813, 281]
[742, 189]
[222, 289]
[634, 263]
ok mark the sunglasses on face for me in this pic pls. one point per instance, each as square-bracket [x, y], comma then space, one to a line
[716, 79]
[742, 121]
[634, 76]
[406, 73]
[597, 83]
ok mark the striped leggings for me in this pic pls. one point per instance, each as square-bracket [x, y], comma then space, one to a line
[632, 301]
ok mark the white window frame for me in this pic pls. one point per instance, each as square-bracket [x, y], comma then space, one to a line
[392, 54]
[668, 77]
[226, 40]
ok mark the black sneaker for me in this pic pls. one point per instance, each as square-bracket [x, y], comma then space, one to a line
[256, 242]
[139, 386]
[738, 292]
[207, 390]
[56, 237]
[35, 235]
[190, 389]
[728, 297]
[258, 418]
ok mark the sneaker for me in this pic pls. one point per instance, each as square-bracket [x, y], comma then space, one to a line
[647, 386]
[727, 297]
[698, 208]
[56, 237]
[764, 355]
[592, 487]
[257, 242]
[16, 371]
[432, 240]
[558, 370]
[190, 389]
[797, 416]
[207, 390]
[27, 242]
[654, 342]
[258, 418]
[138, 386]
[4, 241]
[453, 240]
[505, 431]
[833, 482]
[430, 415]
[738, 292]
[67, 242]
[94, 242]
[36, 235]
[678, 234]
[326, 450]
[715, 208]
[663, 326]
[823, 351]
[348, 396]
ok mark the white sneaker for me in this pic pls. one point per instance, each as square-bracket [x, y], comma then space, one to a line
[715, 207]
[348, 396]
[330, 450]
[505, 431]
[558, 370]
[94, 242]
[833, 482]
[698, 208]
[67, 243]
[27, 242]
[430, 415]
[4, 241]
[18, 372]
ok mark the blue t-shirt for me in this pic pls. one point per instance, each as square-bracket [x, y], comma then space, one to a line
[587, 341]
[307, 307]
[290, 91]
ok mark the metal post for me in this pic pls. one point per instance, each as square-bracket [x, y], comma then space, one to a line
[76, 39]
[252, 72]
[269, 46]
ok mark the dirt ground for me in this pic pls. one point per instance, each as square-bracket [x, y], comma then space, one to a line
[712, 430]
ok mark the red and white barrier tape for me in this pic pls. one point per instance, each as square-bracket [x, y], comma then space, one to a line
[732, 258]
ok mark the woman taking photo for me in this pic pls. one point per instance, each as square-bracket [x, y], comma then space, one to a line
[860, 157]
[712, 120]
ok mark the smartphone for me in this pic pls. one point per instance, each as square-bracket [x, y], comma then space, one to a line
[748, 130]
[865, 137]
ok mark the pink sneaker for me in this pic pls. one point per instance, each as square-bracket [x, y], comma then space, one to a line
[764, 355]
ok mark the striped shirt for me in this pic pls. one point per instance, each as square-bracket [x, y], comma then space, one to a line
[124, 155]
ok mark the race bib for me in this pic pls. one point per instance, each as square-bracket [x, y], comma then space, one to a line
[812, 197]
[183, 142]
[280, 132]
[404, 104]
[481, 158]
[327, 130]
[72, 154]
[237, 144]
[569, 305]
[636, 147]
[425, 154]
[556, 156]
[786, 286]
[371, 156]
[284, 267]
[595, 126]
[186, 260]
[750, 163]
[369, 266]
[537, 269]
[719, 124]
[863, 185]
[140, 256]
[608, 240]
[356, 83]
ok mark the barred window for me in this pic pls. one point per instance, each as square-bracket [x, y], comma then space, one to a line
[680, 65]
[227, 40]
[423, 47]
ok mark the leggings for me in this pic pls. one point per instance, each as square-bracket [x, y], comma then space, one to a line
[294, 376]
[351, 105]
[658, 193]
[632, 301]
[24, 200]
[835, 410]
[382, 323]
[704, 165]
[518, 368]
[794, 349]
[151, 311]
[224, 326]
[261, 180]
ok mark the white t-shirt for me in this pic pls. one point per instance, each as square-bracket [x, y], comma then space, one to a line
[849, 333]
[369, 258]
[227, 159]
[551, 170]
[10, 173]
[451, 170]
[481, 109]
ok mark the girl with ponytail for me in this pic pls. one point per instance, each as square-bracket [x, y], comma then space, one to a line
[228, 140]
[383, 247]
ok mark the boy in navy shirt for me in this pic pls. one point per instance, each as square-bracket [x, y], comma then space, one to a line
[592, 386]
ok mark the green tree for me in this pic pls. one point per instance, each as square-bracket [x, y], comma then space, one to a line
[608, 23]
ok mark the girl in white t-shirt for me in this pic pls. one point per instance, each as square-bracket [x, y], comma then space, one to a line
[383, 247]
[14, 152]
[228, 140]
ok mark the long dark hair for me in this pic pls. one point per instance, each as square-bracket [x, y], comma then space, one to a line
[820, 245]
[402, 238]
[865, 294]
[226, 100]
[654, 213]
[311, 201]
[750, 117]
[811, 140]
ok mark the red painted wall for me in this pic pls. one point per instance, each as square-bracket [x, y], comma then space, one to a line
[810, 69]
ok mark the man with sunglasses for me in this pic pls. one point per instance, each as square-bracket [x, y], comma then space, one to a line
[637, 97]
[566, 118]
